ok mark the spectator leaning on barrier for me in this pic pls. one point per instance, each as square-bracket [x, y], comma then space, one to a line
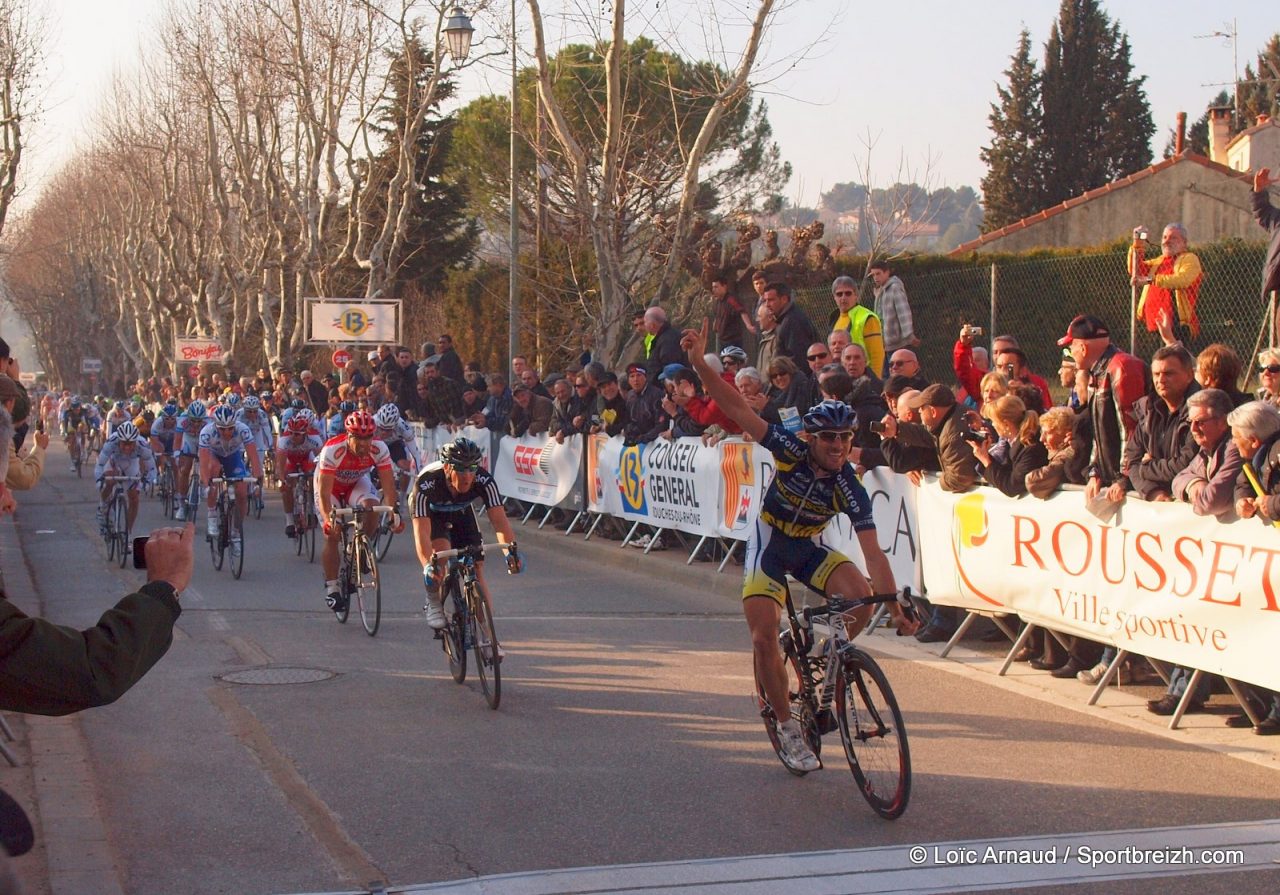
[497, 410]
[795, 331]
[530, 413]
[861, 323]
[1170, 283]
[686, 389]
[564, 408]
[1062, 466]
[1208, 483]
[530, 378]
[1020, 427]
[1268, 218]
[646, 419]
[941, 427]
[611, 407]
[1116, 381]
[1160, 445]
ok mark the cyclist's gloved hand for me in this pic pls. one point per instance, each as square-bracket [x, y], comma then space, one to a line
[326, 525]
[514, 564]
[397, 522]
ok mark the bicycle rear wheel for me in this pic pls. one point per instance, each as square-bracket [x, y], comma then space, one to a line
[484, 640]
[874, 737]
[120, 528]
[801, 707]
[369, 586]
[235, 541]
[454, 634]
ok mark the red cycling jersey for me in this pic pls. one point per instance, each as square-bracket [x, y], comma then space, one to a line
[339, 462]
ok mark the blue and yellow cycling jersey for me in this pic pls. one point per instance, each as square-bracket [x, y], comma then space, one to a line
[799, 502]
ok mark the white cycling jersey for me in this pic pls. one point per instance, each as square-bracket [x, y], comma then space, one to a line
[113, 461]
[221, 447]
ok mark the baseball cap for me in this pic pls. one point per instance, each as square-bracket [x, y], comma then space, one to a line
[1084, 326]
[670, 370]
[634, 368]
[936, 395]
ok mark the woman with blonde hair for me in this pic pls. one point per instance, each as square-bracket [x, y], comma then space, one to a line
[1269, 376]
[1020, 427]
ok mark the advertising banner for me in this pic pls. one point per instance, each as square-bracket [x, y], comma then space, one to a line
[893, 503]
[603, 456]
[352, 321]
[197, 351]
[1156, 579]
[672, 484]
[536, 469]
[746, 469]
[431, 440]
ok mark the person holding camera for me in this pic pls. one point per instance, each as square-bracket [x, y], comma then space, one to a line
[1170, 282]
[1019, 427]
[48, 669]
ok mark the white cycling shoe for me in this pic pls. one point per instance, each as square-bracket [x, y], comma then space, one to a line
[435, 616]
[795, 751]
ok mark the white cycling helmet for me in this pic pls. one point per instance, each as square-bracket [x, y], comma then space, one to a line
[387, 417]
[223, 416]
[125, 432]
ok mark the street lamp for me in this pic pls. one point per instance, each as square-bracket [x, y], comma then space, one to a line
[457, 32]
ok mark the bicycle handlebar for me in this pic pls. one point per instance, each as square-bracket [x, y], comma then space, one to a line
[121, 478]
[344, 512]
[455, 551]
[840, 604]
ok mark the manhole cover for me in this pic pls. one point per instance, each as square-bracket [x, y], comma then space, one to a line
[277, 676]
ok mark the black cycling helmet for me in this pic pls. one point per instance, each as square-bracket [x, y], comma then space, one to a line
[461, 453]
[830, 416]
[297, 403]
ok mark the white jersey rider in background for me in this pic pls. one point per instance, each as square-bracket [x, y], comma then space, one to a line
[115, 416]
[125, 453]
[397, 435]
[187, 446]
[259, 424]
[224, 446]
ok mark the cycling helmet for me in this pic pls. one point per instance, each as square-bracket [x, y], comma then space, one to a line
[252, 403]
[298, 424]
[125, 432]
[734, 353]
[266, 396]
[830, 416]
[75, 400]
[347, 407]
[387, 417]
[135, 405]
[461, 453]
[196, 410]
[119, 405]
[232, 400]
[224, 417]
[360, 424]
[169, 410]
[298, 404]
[304, 414]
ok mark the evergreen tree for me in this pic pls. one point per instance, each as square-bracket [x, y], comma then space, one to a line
[1198, 131]
[1260, 86]
[1014, 185]
[441, 235]
[1096, 124]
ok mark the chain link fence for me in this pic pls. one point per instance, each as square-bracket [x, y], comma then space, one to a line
[1034, 299]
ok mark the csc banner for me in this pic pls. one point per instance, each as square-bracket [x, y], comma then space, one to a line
[1156, 579]
[538, 470]
[672, 484]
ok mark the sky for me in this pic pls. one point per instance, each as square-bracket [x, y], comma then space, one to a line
[915, 78]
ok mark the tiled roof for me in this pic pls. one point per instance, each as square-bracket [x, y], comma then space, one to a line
[1094, 194]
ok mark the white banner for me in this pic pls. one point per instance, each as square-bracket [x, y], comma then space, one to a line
[538, 470]
[672, 484]
[353, 321]
[90, 365]
[197, 351]
[431, 440]
[893, 504]
[1156, 579]
[603, 455]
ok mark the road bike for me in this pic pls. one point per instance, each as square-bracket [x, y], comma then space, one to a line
[304, 514]
[256, 503]
[116, 533]
[166, 487]
[76, 447]
[230, 527]
[384, 534]
[191, 500]
[832, 684]
[468, 621]
[358, 569]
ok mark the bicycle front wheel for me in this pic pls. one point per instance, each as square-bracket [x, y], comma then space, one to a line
[484, 640]
[235, 541]
[368, 586]
[218, 545]
[801, 707]
[382, 537]
[120, 528]
[454, 635]
[874, 737]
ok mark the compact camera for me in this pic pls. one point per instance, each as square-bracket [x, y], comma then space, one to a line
[876, 426]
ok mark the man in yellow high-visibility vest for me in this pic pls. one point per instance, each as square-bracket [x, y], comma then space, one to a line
[861, 323]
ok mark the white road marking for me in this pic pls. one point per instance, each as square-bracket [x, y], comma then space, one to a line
[961, 866]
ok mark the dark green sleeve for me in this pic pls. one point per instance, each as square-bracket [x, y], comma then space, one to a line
[49, 669]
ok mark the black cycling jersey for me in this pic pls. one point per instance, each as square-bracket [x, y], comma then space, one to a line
[433, 495]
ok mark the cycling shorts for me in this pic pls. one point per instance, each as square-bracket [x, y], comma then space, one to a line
[397, 451]
[233, 466]
[299, 464]
[459, 527]
[166, 441]
[356, 493]
[190, 446]
[771, 555]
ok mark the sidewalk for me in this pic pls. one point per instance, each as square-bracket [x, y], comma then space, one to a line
[971, 658]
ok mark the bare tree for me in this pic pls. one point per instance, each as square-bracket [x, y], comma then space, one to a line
[22, 45]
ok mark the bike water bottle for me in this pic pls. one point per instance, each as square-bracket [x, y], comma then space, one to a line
[821, 633]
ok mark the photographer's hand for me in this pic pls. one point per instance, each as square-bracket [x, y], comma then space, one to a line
[170, 557]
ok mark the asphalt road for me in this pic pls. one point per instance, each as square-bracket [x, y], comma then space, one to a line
[625, 735]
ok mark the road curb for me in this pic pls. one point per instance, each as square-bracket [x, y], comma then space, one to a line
[79, 859]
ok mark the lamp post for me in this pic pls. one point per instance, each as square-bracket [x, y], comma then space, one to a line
[457, 32]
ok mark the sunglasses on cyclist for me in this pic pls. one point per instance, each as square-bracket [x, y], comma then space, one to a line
[469, 469]
[845, 436]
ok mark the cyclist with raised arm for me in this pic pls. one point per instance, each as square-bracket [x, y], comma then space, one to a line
[225, 444]
[342, 480]
[296, 451]
[813, 482]
[443, 518]
[125, 454]
[187, 446]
